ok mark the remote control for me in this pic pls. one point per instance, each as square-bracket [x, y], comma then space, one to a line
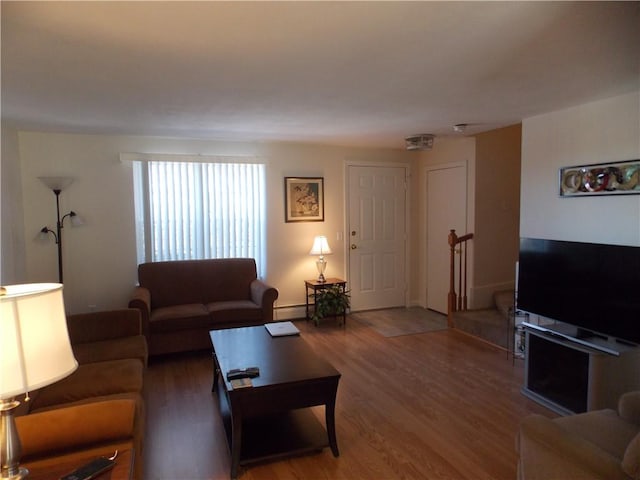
[90, 470]
[237, 373]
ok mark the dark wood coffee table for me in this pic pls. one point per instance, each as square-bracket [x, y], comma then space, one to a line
[271, 420]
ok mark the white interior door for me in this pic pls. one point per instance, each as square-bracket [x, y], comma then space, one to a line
[446, 209]
[377, 236]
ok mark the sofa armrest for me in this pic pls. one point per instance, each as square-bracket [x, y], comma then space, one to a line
[546, 450]
[75, 428]
[265, 296]
[141, 299]
[107, 325]
[629, 407]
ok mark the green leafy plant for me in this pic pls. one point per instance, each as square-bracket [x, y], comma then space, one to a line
[331, 301]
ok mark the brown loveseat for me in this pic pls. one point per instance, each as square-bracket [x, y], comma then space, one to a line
[181, 301]
[97, 409]
[600, 444]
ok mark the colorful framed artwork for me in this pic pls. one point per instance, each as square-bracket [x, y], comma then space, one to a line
[620, 178]
[304, 199]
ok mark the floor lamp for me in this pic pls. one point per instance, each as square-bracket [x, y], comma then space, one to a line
[35, 351]
[57, 184]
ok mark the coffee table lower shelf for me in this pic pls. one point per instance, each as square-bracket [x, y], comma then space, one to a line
[276, 436]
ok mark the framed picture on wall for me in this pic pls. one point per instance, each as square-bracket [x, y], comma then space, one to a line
[621, 178]
[304, 199]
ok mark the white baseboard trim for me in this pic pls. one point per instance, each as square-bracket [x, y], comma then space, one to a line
[293, 312]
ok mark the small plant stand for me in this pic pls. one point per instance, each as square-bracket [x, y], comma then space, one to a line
[313, 294]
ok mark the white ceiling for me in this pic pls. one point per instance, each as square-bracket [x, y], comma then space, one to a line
[342, 73]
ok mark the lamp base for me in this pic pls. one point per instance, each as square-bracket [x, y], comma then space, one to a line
[321, 265]
[10, 446]
[23, 473]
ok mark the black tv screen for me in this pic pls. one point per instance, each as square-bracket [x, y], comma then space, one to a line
[594, 287]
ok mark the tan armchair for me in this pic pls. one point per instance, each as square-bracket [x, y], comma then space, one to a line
[601, 444]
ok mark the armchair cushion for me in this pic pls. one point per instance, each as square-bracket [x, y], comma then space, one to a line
[631, 459]
[629, 407]
[64, 429]
[547, 450]
[603, 428]
[597, 444]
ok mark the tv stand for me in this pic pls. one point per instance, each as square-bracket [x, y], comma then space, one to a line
[573, 375]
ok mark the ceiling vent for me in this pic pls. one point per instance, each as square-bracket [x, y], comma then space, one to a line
[422, 141]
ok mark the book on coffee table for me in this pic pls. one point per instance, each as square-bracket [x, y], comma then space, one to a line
[281, 329]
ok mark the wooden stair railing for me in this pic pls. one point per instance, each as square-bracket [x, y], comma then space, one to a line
[457, 302]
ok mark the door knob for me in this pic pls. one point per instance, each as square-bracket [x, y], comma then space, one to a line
[353, 246]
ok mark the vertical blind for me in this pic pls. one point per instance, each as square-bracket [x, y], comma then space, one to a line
[194, 210]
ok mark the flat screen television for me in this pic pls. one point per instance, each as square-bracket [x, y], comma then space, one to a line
[594, 287]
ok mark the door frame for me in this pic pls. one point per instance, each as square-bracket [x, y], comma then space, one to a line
[347, 220]
[468, 222]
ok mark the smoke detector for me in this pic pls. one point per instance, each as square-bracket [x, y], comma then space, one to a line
[460, 127]
[422, 141]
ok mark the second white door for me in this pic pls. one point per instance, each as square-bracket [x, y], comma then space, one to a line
[446, 210]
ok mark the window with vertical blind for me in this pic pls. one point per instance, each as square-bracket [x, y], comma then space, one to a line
[199, 209]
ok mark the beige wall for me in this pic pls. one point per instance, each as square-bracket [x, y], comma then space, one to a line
[597, 132]
[12, 265]
[497, 217]
[100, 257]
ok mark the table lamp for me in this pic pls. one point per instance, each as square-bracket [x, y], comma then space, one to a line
[35, 351]
[320, 247]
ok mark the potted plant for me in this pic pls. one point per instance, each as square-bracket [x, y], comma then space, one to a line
[331, 301]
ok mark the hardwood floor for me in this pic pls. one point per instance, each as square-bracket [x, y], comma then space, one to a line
[437, 405]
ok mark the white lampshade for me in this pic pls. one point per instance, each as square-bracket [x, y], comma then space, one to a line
[320, 246]
[56, 183]
[35, 350]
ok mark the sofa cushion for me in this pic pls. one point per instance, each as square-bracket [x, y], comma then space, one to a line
[171, 283]
[118, 348]
[197, 281]
[603, 428]
[104, 325]
[631, 460]
[234, 311]
[92, 380]
[227, 279]
[178, 317]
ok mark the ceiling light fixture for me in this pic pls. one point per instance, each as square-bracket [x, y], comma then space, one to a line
[460, 127]
[421, 141]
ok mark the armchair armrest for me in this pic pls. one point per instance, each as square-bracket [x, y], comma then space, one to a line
[547, 450]
[76, 427]
[265, 296]
[107, 325]
[629, 407]
[141, 299]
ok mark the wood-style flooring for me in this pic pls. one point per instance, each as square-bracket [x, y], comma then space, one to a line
[437, 405]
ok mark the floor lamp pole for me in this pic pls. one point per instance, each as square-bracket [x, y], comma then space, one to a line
[59, 233]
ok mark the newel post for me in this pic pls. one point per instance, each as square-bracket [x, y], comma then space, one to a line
[451, 299]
